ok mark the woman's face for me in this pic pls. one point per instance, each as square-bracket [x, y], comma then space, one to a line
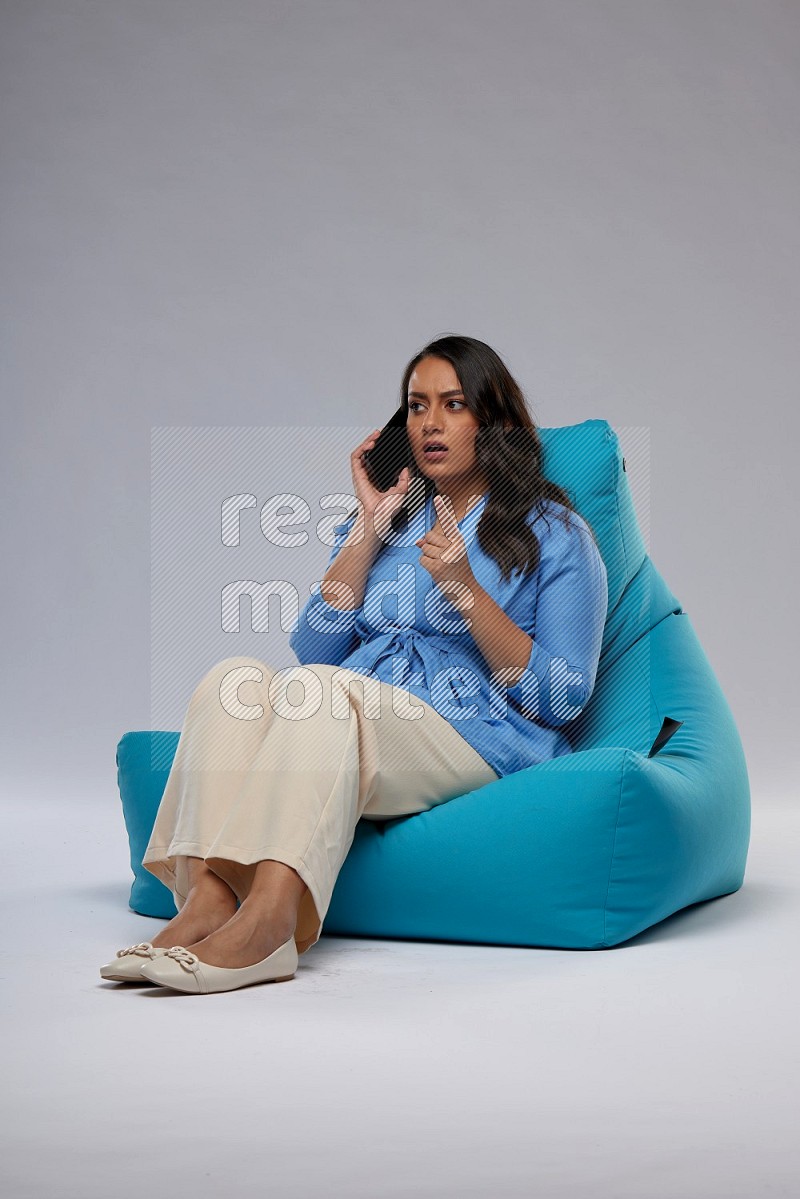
[438, 413]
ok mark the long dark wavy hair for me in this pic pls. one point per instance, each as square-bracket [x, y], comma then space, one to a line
[508, 450]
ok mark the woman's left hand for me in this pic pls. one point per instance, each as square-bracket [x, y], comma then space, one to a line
[444, 554]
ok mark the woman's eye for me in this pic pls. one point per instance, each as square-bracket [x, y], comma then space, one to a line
[413, 405]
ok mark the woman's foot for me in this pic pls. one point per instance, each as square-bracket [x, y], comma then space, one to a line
[247, 938]
[209, 905]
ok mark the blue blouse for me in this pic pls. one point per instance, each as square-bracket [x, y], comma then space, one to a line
[408, 633]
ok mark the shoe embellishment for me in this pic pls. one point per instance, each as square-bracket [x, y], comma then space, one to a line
[184, 957]
[143, 950]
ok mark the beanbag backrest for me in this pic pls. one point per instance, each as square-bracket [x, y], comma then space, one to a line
[586, 460]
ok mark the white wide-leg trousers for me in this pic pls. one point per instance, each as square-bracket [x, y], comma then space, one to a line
[282, 765]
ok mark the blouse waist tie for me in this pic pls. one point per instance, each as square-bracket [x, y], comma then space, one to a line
[428, 661]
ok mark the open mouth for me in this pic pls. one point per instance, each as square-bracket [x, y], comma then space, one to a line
[435, 450]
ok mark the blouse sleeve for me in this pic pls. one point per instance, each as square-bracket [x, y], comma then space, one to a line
[570, 606]
[324, 633]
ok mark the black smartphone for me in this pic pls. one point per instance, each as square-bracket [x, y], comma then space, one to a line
[391, 452]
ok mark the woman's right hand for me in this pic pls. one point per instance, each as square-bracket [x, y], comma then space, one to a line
[378, 506]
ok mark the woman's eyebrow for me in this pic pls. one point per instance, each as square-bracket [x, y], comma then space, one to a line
[421, 395]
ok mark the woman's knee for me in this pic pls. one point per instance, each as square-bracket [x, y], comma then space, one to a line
[295, 691]
[300, 691]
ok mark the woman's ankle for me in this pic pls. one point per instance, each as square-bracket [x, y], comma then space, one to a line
[204, 884]
[206, 909]
[278, 918]
[199, 877]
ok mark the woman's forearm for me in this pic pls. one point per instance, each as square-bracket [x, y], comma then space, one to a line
[504, 645]
[345, 580]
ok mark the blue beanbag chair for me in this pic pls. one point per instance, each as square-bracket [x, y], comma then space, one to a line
[649, 814]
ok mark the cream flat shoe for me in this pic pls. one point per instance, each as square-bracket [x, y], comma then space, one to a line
[127, 966]
[182, 970]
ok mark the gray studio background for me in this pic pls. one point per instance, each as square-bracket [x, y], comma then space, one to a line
[252, 214]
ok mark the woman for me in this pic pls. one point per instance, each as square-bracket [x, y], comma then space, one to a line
[449, 690]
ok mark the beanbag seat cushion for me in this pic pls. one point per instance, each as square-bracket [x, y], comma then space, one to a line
[648, 815]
